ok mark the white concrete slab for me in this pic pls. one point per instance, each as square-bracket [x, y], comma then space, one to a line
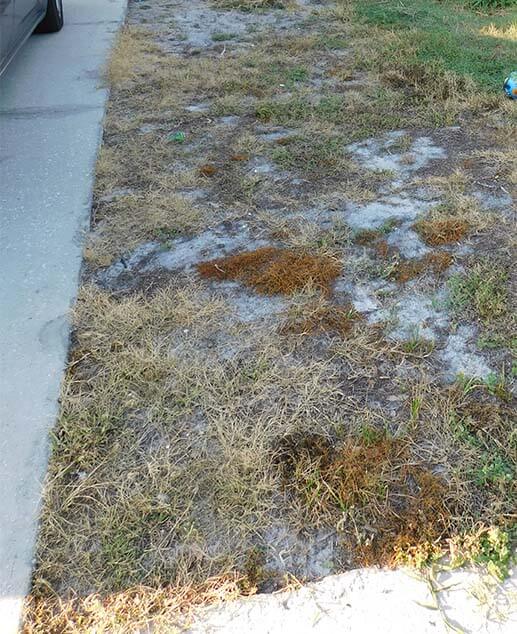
[51, 108]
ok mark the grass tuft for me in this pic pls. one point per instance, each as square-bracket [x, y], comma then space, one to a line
[440, 231]
[375, 475]
[318, 316]
[483, 290]
[434, 262]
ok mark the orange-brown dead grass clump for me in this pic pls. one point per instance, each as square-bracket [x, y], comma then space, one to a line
[208, 170]
[139, 605]
[331, 319]
[439, 231]
[493, 425]
[415, 535]
[398, 497]
[382, 249]
[366, 236]
[435, 262]
[271, 270]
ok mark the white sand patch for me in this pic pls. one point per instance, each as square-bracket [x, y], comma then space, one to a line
[385, 154]
[182, 253]
[407, 242]
[364, 601]
[373, 215]
[461, 357]
[249, 306]
[417, 316]
[202, 26]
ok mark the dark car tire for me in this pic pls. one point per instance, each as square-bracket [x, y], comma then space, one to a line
[53, 20]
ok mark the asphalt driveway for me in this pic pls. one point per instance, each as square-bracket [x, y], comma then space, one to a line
[51, 108]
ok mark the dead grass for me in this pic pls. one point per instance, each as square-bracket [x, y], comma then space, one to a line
[441, 231]
[251, 5]
[315, 151]
[163, 469]
[405, 504]
[315, 315]
[141, 166]
[443, 86]
[130, 219]
[166, 608]
[134, 53]
[270, 270]
[302, 235]
[433, 262]
[501, 162]
[186, 432]
[154, 477]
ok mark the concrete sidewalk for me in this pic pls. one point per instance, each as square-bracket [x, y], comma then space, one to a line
[51, 109]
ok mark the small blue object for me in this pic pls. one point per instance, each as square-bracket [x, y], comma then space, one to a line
[510, 85]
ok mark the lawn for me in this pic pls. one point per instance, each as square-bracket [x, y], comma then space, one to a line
[293, 348]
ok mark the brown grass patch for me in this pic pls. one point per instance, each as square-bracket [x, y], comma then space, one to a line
[208, 170]
[415, 535]
[439, 231]
[366, 236]
[165, 608]
[129, 220]
[320, 318]
[382, 249]
[434, 262]
[271, 270]
[398, 498]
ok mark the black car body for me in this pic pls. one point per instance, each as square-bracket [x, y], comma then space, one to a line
[19, 18]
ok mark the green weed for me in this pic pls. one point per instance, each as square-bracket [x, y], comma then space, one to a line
[495, 552]
[489, 5]
[223, 37]
[493, 470]
[417, 344]
[297, 74]
[483, 290]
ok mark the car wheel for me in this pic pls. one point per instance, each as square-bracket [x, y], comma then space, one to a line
[53, 20]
